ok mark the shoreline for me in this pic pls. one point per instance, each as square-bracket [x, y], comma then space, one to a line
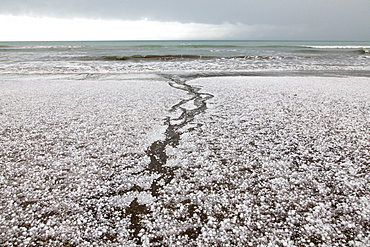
[192, 74]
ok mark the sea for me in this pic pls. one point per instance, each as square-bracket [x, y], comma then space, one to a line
[208, 57]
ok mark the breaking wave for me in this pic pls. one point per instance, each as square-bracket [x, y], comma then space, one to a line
[207, 46]
[39, 48]
[188, 46]
[336, 46]
[150, 57]
[172, 57]
[334, 49]
[318, 51]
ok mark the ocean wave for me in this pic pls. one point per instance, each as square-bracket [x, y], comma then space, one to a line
[146, 57]
[172, 57]
[40, 47]
[360, 47]
[149, 46]
[149, 57]
[275, 46]
[312, 51]
[187, 46]
[353, 50]
[323, 51]
[206, 46]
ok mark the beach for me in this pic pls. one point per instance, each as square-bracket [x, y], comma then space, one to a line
[163, 160]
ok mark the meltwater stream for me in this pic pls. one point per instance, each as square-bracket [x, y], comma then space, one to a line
[157, 150]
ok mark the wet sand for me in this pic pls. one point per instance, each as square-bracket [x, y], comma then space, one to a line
[158, 161]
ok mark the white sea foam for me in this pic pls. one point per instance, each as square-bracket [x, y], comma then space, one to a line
[336, 46]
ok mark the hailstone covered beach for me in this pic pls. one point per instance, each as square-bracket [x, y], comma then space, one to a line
[161, 160]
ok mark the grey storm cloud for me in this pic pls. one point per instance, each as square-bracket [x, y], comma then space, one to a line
[322, 17]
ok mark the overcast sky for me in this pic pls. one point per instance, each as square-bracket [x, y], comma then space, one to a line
[184, 19]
